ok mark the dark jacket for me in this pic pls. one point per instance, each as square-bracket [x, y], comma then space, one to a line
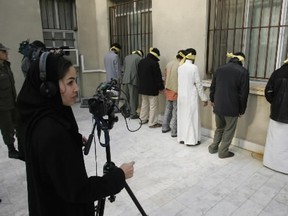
[57, 181]
[150, 77]
[276, 93]
[7, 87]
[229, 89]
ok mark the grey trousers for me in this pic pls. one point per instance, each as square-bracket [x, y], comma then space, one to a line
[170, 117]
[225, 130]
[131, 92]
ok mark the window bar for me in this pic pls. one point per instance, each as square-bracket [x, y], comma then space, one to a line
[250, 27]
[268, 39]
[149, 26]
[135, 13]
[228, 22]
[74, 18]
[132, 23]
[66, 15]
[56, 21]
[243, 28]
[259, 37]
[213, 55]
[235, 27]
[124, 32]
[141, 29]
[112, 22]
[120, 29]
[146, 27]
[137, 27]
[46, 12]
[220, 30]
[208, 30]
[282, 16]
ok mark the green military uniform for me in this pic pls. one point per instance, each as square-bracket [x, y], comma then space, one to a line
[8, 107]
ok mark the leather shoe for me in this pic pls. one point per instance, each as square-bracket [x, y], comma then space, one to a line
[144, 122]
[212, 150]
[167, 130]
[156, 125]
[227, 155]
[134, 117]
[13, 154]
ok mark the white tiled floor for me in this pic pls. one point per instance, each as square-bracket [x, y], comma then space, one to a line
[170, 179]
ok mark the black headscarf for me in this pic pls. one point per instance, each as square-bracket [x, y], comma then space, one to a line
[33, 105]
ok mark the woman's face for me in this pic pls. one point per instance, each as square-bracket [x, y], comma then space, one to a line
[68, 87]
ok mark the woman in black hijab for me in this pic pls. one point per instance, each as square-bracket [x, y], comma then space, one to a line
[57, 181]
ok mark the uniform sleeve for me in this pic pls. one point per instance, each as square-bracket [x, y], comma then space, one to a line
[62, 166]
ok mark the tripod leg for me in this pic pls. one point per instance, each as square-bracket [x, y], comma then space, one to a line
[134, 199]
[100, 207]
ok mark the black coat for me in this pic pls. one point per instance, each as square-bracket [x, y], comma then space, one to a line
[229, 89]
[276, 93]
[150, 77]
[57, 181]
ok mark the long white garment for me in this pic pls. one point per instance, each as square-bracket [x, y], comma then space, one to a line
[189, 87]
[276, 147]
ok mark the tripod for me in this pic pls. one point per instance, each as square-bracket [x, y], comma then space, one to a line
[109, 165]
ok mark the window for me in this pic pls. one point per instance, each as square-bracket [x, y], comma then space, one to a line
[258, 28]
[58, 23]
[131, 25]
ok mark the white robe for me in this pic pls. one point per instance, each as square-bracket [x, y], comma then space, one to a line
[189, 87]
[276, 147]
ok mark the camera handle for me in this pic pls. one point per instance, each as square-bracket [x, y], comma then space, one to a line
[102, 125]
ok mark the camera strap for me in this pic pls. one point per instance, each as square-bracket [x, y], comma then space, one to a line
[102, 125]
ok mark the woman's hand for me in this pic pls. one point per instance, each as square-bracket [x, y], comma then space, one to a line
[128, 169]
[84, 140]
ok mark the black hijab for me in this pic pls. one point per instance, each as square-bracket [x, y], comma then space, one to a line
[34, 105]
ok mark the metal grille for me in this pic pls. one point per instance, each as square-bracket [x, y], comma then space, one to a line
[258, 28]
[59, 22]
[131, 25]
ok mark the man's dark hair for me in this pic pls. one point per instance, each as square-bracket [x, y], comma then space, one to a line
[178, 56]
[190, 50]
[116, 45]
[240, 54]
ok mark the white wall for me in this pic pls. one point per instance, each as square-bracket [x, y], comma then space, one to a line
[180, 25]
[19, 20]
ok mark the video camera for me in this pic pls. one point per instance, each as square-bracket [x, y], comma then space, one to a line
[33, 50]
[104, 102]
